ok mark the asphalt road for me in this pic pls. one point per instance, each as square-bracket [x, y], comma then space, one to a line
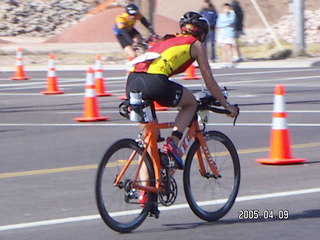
[48, 160]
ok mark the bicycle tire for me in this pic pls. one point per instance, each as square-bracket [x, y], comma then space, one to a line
[119, 205]
[209, 198]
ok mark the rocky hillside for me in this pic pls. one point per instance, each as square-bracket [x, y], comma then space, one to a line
[285, 30]
[39, 18]
[48, 18]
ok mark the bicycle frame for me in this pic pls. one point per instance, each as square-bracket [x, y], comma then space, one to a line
[149, 140]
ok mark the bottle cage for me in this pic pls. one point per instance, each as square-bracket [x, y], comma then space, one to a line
[145, 111]
[124, 109]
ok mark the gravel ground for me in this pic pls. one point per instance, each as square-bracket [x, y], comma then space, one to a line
[36, 53]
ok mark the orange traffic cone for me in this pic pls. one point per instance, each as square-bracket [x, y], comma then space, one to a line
[52, 80]
[280, 150]
[98, 74]
[159, 107]
[19, 74]
[91, 109]
[190, 73]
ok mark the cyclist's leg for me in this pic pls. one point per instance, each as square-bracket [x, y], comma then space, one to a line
[126, 47]
[144, 176]
[130, 52]
[136, 36]
[188, 106]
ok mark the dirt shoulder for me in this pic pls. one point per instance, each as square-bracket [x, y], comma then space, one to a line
[36, 53]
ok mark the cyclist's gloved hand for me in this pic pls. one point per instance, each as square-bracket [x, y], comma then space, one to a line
[151, 31]
[233, 110]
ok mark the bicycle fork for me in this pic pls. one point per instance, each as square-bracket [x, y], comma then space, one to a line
[213, 167]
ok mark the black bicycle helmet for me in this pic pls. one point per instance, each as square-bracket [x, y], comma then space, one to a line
[195, 24]
[132, 9]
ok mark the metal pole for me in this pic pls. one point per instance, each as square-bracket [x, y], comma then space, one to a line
[147, 9]
[298, 11]
[266, 24]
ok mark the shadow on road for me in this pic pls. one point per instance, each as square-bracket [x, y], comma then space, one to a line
[313, 213]
[316, 64]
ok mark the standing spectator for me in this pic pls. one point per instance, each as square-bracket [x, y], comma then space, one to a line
[226, 33]
[210, 14]
[239, 29]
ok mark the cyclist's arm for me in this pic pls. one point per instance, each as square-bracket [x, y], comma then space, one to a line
[145, 23]
[199, 53]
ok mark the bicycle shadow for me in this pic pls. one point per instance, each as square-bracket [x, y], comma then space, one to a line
[315, 64]
[10, 130]
[307, 214]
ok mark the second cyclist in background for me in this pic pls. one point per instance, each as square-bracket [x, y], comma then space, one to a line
[125, 32]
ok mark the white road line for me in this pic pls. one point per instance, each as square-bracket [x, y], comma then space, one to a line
[288, 111]
[39, 94]
[256, 81]
[238, 82]
[267, 72]
[174, 207]
[77, 112]
[21, 94]
[100, 124]
[65, 94]
[175, 111]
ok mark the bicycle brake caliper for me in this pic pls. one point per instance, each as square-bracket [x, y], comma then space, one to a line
[140, 141]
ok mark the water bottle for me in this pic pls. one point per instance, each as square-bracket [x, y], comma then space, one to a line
[203, 115]
[136, 105]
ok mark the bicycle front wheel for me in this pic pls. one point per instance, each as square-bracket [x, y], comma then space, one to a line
[209, 198]
[119, 204]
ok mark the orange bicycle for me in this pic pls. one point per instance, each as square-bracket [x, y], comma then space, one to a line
[211, 175]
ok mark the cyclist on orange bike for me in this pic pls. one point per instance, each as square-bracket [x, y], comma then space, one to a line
[124, 29]
[169, 56]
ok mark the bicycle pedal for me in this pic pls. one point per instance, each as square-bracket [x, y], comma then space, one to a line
[154, 212]
[160, 139]
[164, 160]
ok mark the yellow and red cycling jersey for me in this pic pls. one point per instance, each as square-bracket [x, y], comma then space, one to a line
[175, 56]
[123, 21]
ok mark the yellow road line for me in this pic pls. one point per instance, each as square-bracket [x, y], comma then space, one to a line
[94, 166]
[47, 171]
[265, 149]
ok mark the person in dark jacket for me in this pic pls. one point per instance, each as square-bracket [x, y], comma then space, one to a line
[238, 28]
[210, 14]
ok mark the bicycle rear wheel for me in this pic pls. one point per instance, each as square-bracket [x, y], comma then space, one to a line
[119, 205]
[209, 198]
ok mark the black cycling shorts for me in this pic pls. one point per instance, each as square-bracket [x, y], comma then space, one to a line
[155, 87]
[123, 42]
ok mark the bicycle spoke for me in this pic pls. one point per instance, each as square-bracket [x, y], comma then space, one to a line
[118, 203]
[211, 198]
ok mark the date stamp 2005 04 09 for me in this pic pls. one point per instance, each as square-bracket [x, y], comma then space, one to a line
[252, 214]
